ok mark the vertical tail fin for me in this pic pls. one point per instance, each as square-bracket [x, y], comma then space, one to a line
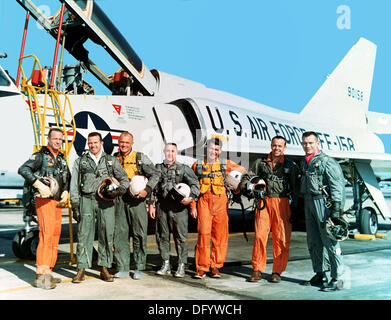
[344, 96]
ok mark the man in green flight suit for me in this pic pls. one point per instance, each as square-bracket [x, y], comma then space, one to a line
[322, 185]
[131, 212]
[171, 213]
[89, 172]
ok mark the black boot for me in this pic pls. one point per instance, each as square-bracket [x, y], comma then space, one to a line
[333, 285]
[319, 279]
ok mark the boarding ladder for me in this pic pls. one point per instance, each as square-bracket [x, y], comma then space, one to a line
[51, 109]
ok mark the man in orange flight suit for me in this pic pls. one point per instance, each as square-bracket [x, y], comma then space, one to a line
[48, 162]
[212, 210]
[281, 178]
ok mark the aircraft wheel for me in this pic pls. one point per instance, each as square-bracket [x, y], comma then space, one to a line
[30, 245]
[368, 223]
[16, 244]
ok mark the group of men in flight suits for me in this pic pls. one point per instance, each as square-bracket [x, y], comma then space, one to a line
[101, 185]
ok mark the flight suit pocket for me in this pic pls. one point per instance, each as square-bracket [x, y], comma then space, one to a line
[311, 184]
[102, 172]
[85, 207]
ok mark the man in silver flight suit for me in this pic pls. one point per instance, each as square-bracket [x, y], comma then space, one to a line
[131, 211]
[88, 174]
[172, 215]
[322, 185]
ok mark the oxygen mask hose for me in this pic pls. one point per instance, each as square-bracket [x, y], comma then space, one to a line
[259, 196]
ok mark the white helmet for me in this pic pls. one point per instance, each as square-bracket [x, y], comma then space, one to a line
[233, 179]
[257, 189]
[180, 191]
[256, 183]
[137, 184]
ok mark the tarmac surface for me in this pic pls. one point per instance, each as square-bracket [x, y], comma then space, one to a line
[367, 271]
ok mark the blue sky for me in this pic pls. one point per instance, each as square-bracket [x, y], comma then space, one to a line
[274, 52]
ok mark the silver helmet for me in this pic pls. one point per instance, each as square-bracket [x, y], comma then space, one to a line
[337, 228]
[52, 184]
[108, 184]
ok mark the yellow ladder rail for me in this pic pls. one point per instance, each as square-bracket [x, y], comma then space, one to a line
[57, 105]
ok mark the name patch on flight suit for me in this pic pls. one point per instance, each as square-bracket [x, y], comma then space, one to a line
[50, 162]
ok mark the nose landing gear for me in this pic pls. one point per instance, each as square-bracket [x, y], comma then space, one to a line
[367, 221]
[25, 242]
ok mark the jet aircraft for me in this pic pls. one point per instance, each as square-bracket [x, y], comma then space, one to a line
[158, 107]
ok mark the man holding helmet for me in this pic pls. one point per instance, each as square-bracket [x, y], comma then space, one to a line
[211, 209]
[280, 177]
[323, 185]
[47, 172]
[131, 211]
[177, 188]
[97, 179]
